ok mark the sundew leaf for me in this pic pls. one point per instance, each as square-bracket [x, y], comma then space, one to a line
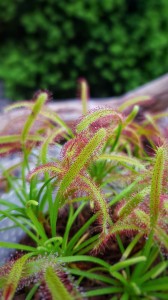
[100, 202]
[120, 226]
[48, 140]
[6, 149]
[16, 138]
[122, 159]
[124, 193]
[19, 105]
[151, 121]
[143, 217]
[96, 115]
[51, 167]
[131, 116]
[84, 94]
[53, 116]
[9, 138]
[133, 101]
[55, 286]
[156, 185]
[14, 277]
[159, 116]
[126, 209]
[162, 236]
[81, 160]
[41, 99]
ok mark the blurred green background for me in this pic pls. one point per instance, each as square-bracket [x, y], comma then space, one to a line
[115, 44]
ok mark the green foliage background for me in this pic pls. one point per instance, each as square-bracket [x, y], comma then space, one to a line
[115, 44]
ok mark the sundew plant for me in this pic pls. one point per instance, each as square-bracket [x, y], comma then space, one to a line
[92, 202]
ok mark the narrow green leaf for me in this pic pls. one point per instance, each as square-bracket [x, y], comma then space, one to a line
[131, 246]
[123, 264]
[38, 226]
[32, 291]
[80, 232]
[86, 258]
[31, 202]
[104, 291]
[154, 272]
[16, 246]
[19, 223]
[92, 276]
[160, 284]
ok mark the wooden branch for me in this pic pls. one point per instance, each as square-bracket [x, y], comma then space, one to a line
[70, 110]
[157, 90]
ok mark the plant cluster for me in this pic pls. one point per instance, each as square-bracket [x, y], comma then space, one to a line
[122, 45]
[96, 211]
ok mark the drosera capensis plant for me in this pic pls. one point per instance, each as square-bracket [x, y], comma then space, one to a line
[95, 210]
[146, 211]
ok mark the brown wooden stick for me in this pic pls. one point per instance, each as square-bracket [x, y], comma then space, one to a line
[157, 90]
[71, 109]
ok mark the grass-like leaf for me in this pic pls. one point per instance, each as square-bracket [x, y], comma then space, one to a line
[128, 262]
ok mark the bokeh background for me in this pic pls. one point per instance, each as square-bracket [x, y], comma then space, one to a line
[116, 45]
